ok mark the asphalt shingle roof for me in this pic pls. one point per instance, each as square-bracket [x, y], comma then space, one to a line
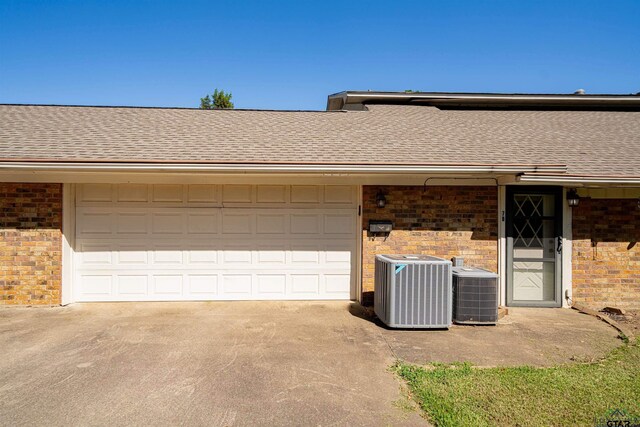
[588, 142]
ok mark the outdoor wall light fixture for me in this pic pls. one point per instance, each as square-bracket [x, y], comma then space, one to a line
[572, 198]
[381, 201]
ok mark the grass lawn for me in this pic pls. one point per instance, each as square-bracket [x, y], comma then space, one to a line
[460, 395]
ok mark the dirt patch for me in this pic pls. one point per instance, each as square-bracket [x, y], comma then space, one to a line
[630, 319]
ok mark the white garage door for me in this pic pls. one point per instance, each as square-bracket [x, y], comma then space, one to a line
[138, 242]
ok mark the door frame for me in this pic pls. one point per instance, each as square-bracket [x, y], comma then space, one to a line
[67, 292]
[557, 192]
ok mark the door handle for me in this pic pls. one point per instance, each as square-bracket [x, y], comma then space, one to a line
[559, 245]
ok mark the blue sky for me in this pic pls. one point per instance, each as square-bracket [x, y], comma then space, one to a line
[292, 54]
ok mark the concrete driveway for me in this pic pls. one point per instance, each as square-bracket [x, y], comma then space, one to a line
[214, 364]
[248, 363]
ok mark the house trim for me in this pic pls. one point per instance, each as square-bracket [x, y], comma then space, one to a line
[567, 252]
[68, 242]
[356, 294]
[576, 179]
[502, 245]
[249, 167]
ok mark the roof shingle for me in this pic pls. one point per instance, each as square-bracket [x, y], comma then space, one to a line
[588, 142]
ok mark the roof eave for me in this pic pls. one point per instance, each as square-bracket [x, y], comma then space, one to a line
[578, 180]
[341, 100]
[279, 167]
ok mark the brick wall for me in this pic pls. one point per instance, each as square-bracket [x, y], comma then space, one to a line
[441, 221]
[30, 243]
[606, 253]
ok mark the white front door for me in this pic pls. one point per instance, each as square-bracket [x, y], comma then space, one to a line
[138, 242]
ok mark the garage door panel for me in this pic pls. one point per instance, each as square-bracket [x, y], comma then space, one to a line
[136, 193]
[340, 194]
[202, 285]
[336, 283]
[146, 243]
[173, 193]
[133, 284]
[340, 224]
[167, 254]
[88, 193]
[201, 255]
[271, 254]
[96, 286]
[271, 223]
[200, 222]
[129, 223]
[128, 254]
[234, 254]
[277, 194]
[168, 223]
[271, 284]
[202, 193]
[168, 285]
[91, 223]
[338, 255]
[237, 284]
[237, 223]
[95, 254]
[305, 254]
[305, 194]
[305, 284]
[237, 194]
[305, 223]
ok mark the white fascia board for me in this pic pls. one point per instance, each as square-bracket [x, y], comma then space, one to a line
[286, 168]
[578, 180]
[307, 178]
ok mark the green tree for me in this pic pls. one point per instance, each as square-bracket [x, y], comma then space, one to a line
[218, 100]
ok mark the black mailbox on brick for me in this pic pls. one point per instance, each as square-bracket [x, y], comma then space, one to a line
[380, 226]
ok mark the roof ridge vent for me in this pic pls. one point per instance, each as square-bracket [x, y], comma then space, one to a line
[580, 92]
